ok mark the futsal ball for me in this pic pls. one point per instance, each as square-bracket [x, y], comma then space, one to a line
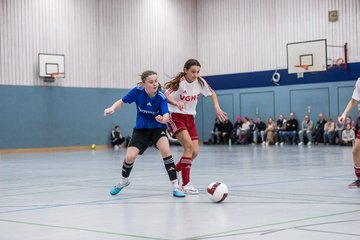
[217, 191]
[93, 146]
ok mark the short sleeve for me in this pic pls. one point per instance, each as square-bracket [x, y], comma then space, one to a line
[130, 96]
[206, 90]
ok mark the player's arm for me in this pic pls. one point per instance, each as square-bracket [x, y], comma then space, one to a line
[352, 103]
[219, 113]
[116, 105]
[179, 104]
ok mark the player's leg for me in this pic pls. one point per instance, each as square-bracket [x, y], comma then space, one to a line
[176, 125]
[163, 145]
[190, 140]
[356, 159]
[137, 145]
[127, 166]
[186, 142]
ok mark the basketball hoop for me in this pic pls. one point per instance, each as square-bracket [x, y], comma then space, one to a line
[305, 67]
[57, 75]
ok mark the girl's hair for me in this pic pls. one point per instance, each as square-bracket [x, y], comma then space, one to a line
[174, 83]
[146, 74]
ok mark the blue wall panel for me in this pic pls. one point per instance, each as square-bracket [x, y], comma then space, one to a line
[55, 116]
[344, 96]
[310, 102]
[329, 98]
[257, 104]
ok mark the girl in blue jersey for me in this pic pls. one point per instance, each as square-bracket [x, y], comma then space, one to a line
[152, 116]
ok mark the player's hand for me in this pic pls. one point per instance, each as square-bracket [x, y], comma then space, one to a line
[221, 115]
[108, 111]
[160, 119]
[341, 119]
[180, 105]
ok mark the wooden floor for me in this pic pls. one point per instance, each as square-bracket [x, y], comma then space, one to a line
[277, 193]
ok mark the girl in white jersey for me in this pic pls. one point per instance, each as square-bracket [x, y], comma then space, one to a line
[183, 93]
[356, 149]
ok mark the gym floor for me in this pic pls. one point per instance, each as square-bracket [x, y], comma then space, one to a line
[277, 193]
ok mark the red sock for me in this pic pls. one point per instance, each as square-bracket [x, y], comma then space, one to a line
[357, 172]
[185, 169]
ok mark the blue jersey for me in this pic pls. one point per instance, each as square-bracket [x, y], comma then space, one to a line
[147, 107]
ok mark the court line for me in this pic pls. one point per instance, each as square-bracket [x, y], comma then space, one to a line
[82, 203]
[81, 229]
[212, 235]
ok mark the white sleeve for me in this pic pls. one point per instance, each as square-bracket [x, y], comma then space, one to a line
[356, 92]
[206, 90]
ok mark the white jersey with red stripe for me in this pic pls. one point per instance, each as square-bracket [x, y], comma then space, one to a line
[356, 93]
[188, 93]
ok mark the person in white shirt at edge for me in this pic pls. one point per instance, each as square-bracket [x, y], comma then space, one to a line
[356, 148]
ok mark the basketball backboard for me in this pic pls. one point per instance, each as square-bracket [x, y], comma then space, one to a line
[308, 56]
[51, 63]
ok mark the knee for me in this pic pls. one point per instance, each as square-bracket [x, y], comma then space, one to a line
[130, 157]
[195, 153]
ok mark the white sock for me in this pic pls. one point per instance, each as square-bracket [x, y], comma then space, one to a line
[175, 183]
[124, 180]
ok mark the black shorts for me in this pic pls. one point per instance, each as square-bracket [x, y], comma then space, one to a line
[142, 138]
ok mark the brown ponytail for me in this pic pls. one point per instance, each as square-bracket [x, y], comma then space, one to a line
[174, 83]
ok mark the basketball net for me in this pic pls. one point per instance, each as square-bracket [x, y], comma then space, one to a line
[302, 69]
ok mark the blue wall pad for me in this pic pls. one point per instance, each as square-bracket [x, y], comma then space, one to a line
[263, 78]
[56, 116]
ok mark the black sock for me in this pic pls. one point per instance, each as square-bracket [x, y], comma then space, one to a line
[126, 169]
[170, 168]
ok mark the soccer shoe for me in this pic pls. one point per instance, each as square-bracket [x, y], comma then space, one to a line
[178, 193]
[190, 189]
[116, 189]
[355, 184]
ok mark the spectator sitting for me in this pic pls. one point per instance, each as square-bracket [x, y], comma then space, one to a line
[237, 125]
[329, 131]
[351, 122]
[280, 127]
[289, 135]
[306, 131]
[319, 129]
[348, 136]
[270, 131]
[259, 130]
[226, 130]
[216, 132]
[116, 138]
[243, 131]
